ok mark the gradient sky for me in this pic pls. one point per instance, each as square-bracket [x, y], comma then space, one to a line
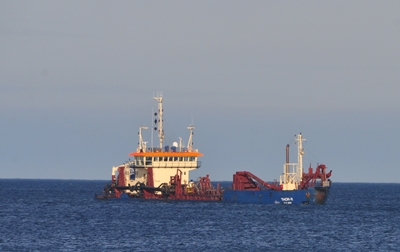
[77, 80]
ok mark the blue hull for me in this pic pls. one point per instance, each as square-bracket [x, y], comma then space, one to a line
[316, 195]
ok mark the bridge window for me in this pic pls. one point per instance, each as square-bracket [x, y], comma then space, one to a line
[186, 158]
[139, 160]
[180, 158]
[170, 158]
[165, 158]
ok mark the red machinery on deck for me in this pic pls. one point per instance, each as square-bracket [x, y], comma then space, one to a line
[310, 179]
[202, 190]
[245, 180]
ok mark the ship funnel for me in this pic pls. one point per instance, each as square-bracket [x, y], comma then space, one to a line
[287, 159]
[287, 153]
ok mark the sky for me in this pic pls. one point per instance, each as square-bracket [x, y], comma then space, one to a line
[77, 80]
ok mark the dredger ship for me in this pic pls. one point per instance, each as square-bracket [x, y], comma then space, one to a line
[162, 173]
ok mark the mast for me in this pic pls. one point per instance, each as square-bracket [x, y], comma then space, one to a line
[160, 119]
[152, 134]
[300, 153]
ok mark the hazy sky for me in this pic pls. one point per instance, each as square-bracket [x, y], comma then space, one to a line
[77, 80]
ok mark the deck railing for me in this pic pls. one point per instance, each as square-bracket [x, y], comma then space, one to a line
[170, 149]
[165, 164]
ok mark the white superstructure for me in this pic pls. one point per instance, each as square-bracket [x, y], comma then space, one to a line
[293, 172]
[154, 166]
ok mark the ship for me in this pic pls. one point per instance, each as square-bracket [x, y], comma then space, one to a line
[162, 173]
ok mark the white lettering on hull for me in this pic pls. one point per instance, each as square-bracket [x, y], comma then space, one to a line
[287, 200]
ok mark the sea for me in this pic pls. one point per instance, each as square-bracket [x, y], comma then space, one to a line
[63, 215]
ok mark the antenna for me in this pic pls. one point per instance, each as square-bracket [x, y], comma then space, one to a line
[190, 142]
[142, 145]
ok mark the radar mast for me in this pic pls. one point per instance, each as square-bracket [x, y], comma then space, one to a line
[160, 119]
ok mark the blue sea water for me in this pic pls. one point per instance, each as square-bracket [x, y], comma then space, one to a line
[62, 215]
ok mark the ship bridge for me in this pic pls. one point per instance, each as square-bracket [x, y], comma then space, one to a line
[156, 165]
[154, 157]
